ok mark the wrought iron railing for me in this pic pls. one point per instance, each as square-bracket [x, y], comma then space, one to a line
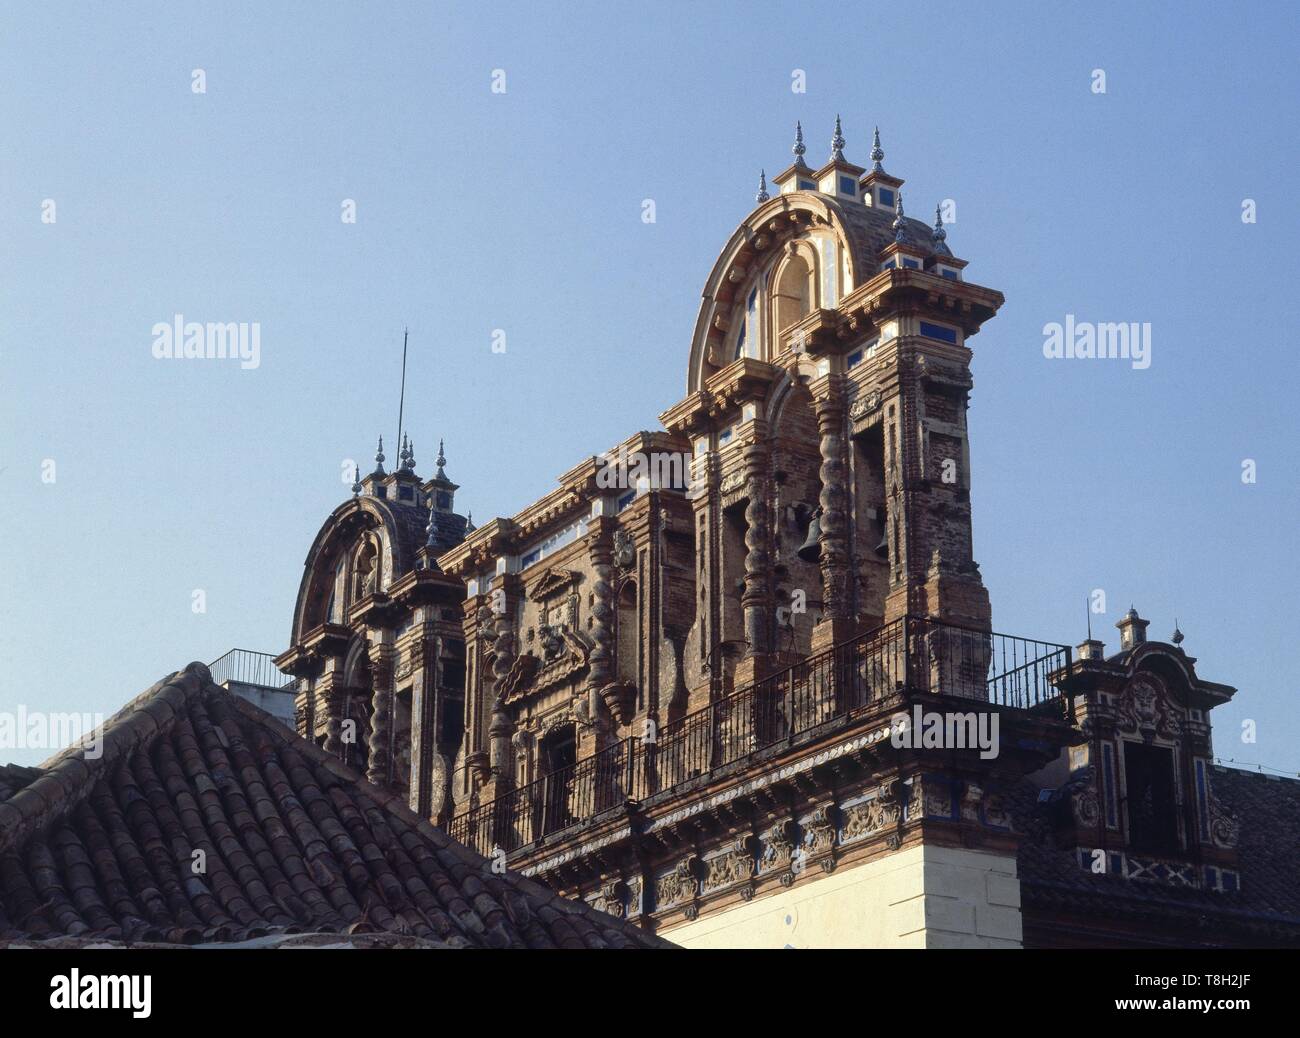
[909, 655]
[249, 668]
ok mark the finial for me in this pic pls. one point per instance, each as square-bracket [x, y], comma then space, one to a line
[1177, 636]
[877, 153]
[379, 459]
[430, 526]
[762, 195]
[900, 228]
[837, 143]
[356, 479]
[410, 455]
[403, 465]
[798, 148]
[938, 234]
[469, 522]
[442, 460]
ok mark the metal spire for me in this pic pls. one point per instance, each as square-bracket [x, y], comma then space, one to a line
[900, 228]
[356, 479]
[798, 148]
[379, 459]
[837, 143]
[877, 153]
[938, 234]
[442, 460]
[762, 195]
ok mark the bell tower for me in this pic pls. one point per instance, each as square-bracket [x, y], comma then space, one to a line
[828, 387]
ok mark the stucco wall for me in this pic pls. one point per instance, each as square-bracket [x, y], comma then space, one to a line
[921, 897]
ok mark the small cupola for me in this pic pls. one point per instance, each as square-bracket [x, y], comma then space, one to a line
[879, 189]
[403, 485]
[839, 177]
[903, 253]
[441, 491]
[799, 175]
[1132, 630]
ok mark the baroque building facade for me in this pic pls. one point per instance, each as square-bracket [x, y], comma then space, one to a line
[673, 686]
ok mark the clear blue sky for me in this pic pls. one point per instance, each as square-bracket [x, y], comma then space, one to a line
[522, 211]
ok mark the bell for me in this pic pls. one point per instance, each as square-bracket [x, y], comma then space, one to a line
[811, 549]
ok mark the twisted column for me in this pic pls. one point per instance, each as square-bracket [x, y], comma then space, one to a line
[500, 727]
[755, 600]
[829, 407]
[381, 715]
[600, 662]
[334, 698]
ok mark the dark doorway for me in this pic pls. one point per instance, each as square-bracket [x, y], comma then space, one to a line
[1149, 792]
[559, 754]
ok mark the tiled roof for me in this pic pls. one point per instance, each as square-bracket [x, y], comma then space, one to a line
[871, 230]
[1266, 908]
[295, 843]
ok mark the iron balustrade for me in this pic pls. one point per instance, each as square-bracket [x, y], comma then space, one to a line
[248, 668]
[909, 655]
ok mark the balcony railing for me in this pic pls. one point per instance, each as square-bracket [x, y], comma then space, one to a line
[249, 668]
[909, 655]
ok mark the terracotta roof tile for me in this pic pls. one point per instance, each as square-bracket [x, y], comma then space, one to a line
[292, 842]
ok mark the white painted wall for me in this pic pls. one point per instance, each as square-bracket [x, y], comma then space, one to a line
[921, 897]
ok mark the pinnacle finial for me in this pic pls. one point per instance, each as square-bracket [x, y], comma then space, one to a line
[469, 522]
[938, 234]
[356, 479]
[442, 460]
[403, 463]
[430, 527]
[798, 148]
[762, 195]
[1177, 636]
[900, 228]
[379, 458]
[410, 455]
[837, 143]
[877, 152]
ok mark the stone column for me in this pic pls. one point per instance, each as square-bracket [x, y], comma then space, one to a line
[836, 623]
[601, 670]
[379, 770]
[756, 600]
[501, 727]
[424, 723]
[334, 698]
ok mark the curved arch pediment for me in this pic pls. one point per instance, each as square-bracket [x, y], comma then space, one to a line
[337, 539]
[754, 247]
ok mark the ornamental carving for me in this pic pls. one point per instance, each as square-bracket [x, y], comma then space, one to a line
[1145, 707]
[776, 847]
[551, 583]
[931, 797]
[732, 482]
[866, 404]
[1224, 828]
[531, 676]
[868, 817]
[819, 830]
[734, 865]
[676, 886]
